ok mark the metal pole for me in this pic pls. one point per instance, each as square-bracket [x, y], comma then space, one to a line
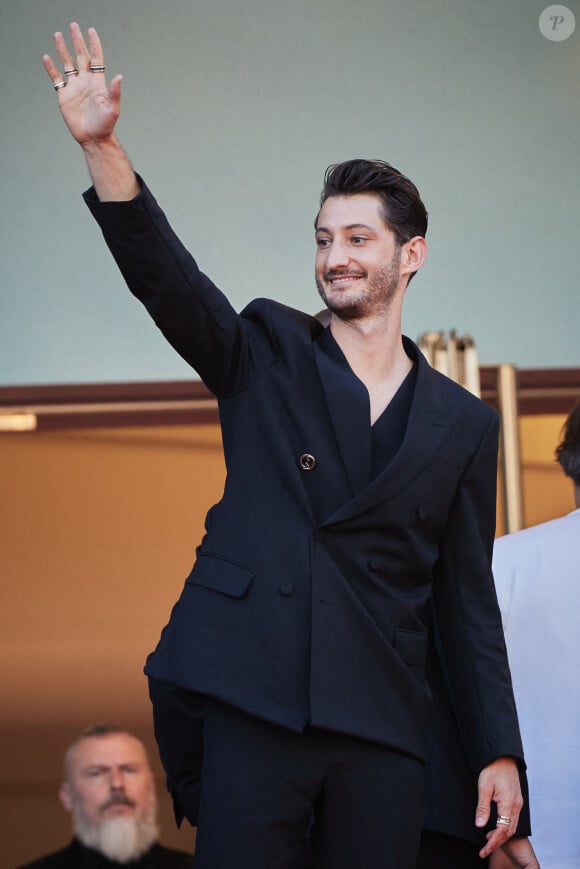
[510, 459]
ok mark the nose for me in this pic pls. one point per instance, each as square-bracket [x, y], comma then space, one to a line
[337, 255]
[117, 781]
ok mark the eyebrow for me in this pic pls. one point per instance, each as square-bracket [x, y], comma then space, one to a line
[348, 226]
[105, 767]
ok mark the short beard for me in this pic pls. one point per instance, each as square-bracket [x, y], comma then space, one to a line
[119, 839]
[376, 299]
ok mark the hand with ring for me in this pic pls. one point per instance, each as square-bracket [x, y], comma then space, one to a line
[90, 108]
[499, 783]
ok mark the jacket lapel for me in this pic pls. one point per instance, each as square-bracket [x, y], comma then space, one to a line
[348, 405]
[430, 421]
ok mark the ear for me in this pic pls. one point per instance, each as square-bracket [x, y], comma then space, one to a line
[413, 254]
[65, 797]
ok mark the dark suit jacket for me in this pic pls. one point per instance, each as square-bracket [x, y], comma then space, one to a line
[451, 777]
[309, 598]
[76, 856]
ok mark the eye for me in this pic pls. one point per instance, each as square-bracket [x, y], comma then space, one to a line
[358, 239]
[322, 243]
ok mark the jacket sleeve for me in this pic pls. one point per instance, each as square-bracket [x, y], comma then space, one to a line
[226, 349]
[468, 628]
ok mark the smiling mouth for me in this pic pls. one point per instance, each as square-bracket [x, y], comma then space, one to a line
[343, 279]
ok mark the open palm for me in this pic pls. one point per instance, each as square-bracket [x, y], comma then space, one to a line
[89, 107]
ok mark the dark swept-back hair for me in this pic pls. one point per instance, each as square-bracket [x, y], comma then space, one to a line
[568, 450]
[403, 209]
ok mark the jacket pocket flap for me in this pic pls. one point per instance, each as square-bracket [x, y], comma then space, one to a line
[411, 646]
[221, 575]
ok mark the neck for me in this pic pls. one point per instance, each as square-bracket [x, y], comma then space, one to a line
[577, 495]
[374, 350]
[373, 347]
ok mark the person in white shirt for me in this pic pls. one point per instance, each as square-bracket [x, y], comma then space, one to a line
[537, 576]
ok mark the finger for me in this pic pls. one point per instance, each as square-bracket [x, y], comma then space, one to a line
[63, 50]
[89, 59]
[495, 839]
[55, 75]
[65, 57]
[69, 66]
[508, 812]
[97, 60]
[95, 47]
[115, 89]
[80, 46]
[483, 807]
[507, 819]
[50, 67]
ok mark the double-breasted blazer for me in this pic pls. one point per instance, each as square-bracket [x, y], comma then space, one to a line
[309, 600]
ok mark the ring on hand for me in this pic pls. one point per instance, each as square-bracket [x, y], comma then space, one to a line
[57, 85]
[503, 821]
[94, 67]
[73, 71]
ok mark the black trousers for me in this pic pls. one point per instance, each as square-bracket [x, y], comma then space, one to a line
[261, 786]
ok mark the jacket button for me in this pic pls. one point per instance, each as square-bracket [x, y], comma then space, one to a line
[286, 588]
[307, 462]
[422, 512]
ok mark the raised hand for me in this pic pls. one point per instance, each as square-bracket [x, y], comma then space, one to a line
[90, 109]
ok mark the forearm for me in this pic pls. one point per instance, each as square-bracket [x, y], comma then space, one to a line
[110, 169]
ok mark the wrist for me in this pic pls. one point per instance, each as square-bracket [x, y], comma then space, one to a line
[110, 170]
[99, 148]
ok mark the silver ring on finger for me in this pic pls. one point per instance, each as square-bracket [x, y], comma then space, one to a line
[503, 821]
[57, 85]
[73, 71]
[94, 67]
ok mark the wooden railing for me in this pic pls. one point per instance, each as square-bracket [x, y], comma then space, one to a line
[513, 392]
[180, 402]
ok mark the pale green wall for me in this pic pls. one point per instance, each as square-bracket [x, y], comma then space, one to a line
[232, 111]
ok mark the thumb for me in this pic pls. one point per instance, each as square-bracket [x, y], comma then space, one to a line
[115, 87]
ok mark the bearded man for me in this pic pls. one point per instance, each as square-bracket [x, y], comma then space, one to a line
[109, 789]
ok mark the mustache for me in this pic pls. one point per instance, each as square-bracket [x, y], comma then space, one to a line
[118, 800]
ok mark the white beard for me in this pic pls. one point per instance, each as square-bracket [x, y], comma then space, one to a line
[120, 839]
